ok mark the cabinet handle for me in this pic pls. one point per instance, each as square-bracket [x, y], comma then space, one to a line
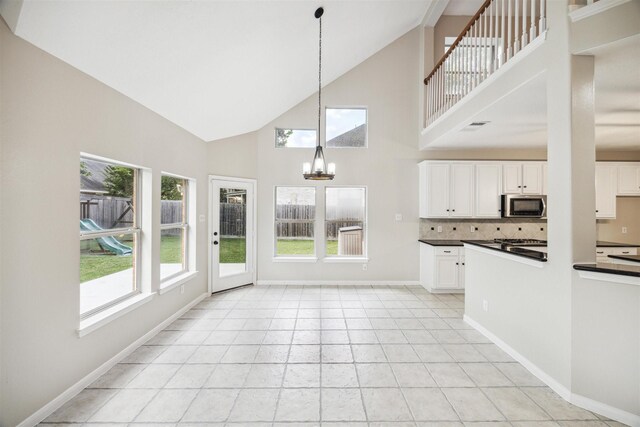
[597, 211]
[453, 210]
[599, 252]
[525, 186]
[625, 252]
[519, 186]
[447, 210]
[447, 252]
[457, 263]
[463, 263]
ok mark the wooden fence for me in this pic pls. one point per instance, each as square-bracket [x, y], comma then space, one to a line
[108, 212]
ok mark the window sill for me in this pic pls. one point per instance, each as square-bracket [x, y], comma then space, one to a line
[295, 259]
[334, 259]
[174, 282]
[104, 317]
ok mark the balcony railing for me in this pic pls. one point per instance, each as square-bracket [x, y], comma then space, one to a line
[496, 33]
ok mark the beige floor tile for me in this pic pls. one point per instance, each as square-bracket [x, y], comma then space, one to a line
[302, 375]
[265, 376]
[515, 405]
[368, 353]
[191, 376]
[557, 407]
[124, 406]
[339, 375]
[429, 404]
[385, 404]
[472, 405]
[449, 375]
[412, 375]
[167, 406]
[228, 376]
[375, 375]
[342, 405]
[485, 375]
[203, 409]
[304, 354]
[298, 405]
[255, 405]
[336, 354]
[81, 407]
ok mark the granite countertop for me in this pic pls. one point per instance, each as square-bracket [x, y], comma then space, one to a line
[632, 258]
[605, 267]
[602, 244]
[441, 242]
[510, 249]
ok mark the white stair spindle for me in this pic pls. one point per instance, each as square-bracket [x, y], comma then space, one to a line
[524, 42]
[532, 30]
[509, 40]
[516, 34]
[503, 32]
[496, 53]
[543, 19]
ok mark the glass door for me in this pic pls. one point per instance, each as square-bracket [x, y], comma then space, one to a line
[232, 234]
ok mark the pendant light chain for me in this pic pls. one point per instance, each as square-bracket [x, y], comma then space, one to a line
[319, 78]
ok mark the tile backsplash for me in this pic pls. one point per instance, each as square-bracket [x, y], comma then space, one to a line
[484, 229]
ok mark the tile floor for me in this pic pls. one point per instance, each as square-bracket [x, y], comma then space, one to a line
[286, 355]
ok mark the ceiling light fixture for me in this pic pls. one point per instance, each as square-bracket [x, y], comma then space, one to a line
[319, 170]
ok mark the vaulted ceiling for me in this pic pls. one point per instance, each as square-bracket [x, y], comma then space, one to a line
[215, 68]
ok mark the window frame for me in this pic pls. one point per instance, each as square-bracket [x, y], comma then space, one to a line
[347, 107]
[184, 226]
[135, 230]
[365, 227]
[275, 130]
[299, 257]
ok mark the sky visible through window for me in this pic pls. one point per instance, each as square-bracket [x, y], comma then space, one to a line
[295, 138]
[342, 120]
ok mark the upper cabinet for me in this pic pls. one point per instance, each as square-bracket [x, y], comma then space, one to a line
[446, 190]
[629, 179]
[488, 190]
[523, 177]
[606, 176]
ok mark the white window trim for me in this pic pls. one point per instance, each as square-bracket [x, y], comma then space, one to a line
[188, 262]
[347, 107]
[290, 257]
[108, 315]
[96, 312]
[290, 128]
[365, 226]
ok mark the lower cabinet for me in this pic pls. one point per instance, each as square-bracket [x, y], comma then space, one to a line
[442, 268]
[602, 254]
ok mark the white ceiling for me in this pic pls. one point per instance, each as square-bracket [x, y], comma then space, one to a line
[519, 120]
[215, 68]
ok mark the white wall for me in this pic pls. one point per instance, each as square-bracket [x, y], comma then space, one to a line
[50, 113]
[386, 85]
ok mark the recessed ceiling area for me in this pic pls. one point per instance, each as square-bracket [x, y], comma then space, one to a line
[215, 68]
[518, 120]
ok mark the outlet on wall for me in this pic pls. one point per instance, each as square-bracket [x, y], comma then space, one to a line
[624, 230]
[473, 229]
[398, 217]
[485, 305]
[439, 229]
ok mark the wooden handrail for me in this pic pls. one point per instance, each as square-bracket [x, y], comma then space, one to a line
[475, 17]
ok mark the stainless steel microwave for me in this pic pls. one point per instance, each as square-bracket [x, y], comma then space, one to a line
[524, 206]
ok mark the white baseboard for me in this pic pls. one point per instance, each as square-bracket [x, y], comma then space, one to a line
[607, 410]
[339, 282]
[530, 366]
[72, 391]
[581, 401]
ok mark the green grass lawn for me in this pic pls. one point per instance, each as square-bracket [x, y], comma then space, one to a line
[95, 264]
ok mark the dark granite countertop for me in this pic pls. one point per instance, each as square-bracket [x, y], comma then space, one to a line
[605, 267]
[510, 249]
[441, 242]
[632, 258]
[602, 244]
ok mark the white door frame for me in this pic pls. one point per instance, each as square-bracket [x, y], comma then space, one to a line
[210, 236]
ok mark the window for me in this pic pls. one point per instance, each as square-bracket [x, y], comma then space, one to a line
[346, 127]
[174, 227]
[294, 221]
[295, 138]
[345, 221]
[109, 234]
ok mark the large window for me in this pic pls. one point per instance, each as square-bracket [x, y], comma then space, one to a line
[174, 226]
[295, 138]
[346, 127]
[294, 221]
[345, 221]
[109, 233]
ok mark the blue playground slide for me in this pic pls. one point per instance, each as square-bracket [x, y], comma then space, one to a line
[108, 243]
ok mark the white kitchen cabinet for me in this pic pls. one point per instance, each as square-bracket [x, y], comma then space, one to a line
[488, 190]
[545, 181]
[442, 268]
[602, 253]
[606, 179]
[629, 179]
[523, 177]
[446, 190]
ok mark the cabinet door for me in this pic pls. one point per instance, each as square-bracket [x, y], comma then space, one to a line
[512, 178]
[461, 196]
[545, 186]
[531, 178]
[488, 189]
[437, 190]
[446, 272]
[629, 180]
[606, 191]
